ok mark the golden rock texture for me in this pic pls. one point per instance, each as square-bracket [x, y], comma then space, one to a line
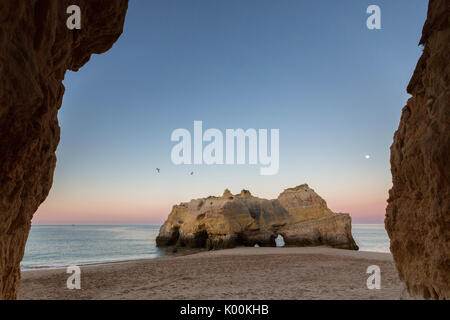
[299, 215]
[418, 212]
[36, 49]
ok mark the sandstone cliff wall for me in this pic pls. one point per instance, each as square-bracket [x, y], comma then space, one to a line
[299, 214]
[418, 212]
[36, 49]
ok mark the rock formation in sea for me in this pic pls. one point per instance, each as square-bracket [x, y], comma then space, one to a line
[36, 50]
[418, 212]
[299, 215]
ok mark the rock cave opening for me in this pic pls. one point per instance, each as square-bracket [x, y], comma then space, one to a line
[201, 239]
[175, 235]
[279, 241]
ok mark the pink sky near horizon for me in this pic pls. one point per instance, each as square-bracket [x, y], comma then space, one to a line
[128, 195]
[114, 210]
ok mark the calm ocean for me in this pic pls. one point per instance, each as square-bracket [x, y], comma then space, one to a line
[52, 246]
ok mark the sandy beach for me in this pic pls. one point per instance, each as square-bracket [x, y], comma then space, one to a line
[239, 273]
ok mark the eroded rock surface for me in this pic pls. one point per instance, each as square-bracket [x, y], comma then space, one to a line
[36, 49]
[299, 214]
[418, 212]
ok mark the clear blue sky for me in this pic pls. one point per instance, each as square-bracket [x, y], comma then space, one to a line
[309, 68]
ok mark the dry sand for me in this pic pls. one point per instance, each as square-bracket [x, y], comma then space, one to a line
[240, 273]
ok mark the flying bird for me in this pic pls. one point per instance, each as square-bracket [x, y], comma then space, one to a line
[157, 169]
[192, 173]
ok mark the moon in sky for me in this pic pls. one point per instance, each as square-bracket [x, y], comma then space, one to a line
[367, 156]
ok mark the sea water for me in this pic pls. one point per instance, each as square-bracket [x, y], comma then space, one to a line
[53, 246]
[371, 237]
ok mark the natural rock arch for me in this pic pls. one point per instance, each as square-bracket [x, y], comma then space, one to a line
[299, 215]
[36, 50]
[279, 241]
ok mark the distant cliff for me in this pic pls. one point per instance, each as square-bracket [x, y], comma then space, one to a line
[299, 214]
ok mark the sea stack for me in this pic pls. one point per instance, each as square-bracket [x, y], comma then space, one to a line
[299, 215]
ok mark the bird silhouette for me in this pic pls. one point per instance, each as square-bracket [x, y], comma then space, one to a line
[192, 173]
[157, 169]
